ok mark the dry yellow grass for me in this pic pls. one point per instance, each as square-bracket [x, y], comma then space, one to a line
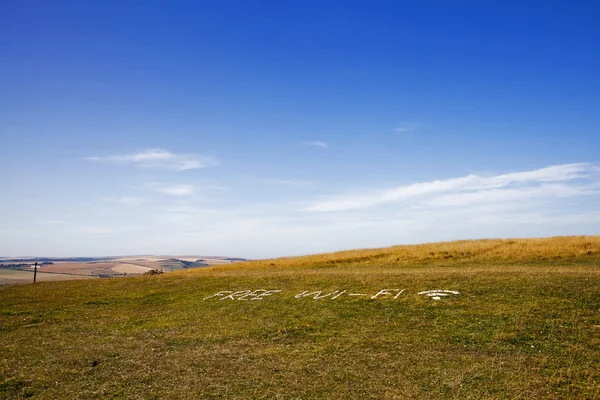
[461, 251]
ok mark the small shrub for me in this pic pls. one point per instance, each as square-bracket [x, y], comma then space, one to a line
[155, 272]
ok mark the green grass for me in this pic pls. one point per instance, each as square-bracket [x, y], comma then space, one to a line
[521, 327]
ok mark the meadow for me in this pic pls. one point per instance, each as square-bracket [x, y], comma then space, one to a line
[520, 319]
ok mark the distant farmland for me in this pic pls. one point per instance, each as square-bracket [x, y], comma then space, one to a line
[18, 271]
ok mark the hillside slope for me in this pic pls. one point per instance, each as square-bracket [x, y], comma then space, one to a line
[469, 319]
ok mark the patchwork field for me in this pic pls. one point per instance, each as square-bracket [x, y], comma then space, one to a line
[489, 319]
[17, 271]
[130, 269]
[12, 276]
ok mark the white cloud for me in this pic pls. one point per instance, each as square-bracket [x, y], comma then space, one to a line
[160, 159]
[316, 143]
[504, 195]
[469, 184]
[407, 127]
[557, 200]
[126, 200]
[94, 230]
[170, 188]
[290, 182]
[176, 190]
[108, 229]
[50, 222]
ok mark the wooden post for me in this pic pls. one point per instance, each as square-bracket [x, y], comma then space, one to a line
[34, 272]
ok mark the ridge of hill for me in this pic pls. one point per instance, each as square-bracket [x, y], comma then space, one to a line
[516, 318]
[461, 252]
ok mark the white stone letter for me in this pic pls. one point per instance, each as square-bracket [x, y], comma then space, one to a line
[221, 293]
[266, 293]
[383, 292]
[238, 293]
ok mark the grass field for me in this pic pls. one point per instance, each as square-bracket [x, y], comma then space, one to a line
[524, 324]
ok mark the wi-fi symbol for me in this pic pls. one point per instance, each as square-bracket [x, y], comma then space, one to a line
[438, 294]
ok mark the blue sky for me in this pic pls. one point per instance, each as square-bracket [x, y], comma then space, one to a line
[272, 128]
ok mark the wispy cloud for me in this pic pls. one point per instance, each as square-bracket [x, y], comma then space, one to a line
[555, 191]
[127, 200]
[160, 159]
[181, 219]
[407, 127]
[290, 182]
[466, 189]
[50, 222]
[94, 230]
[175, 190]
[316, 143]
[106, 229]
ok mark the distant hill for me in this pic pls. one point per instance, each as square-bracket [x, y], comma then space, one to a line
[17, 270]
[53, 259]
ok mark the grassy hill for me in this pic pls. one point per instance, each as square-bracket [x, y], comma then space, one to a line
[525, 323]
